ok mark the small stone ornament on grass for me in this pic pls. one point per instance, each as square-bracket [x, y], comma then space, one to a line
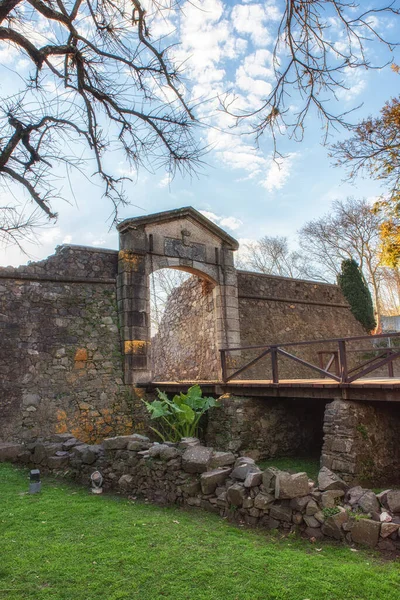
[35, 485]
[97, 481]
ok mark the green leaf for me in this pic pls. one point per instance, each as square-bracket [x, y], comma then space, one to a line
[186, 414]
[157, 409]
[162, 395]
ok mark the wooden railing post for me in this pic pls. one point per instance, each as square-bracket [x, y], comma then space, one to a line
[274, 363]
[390, 364]
[343, 372]
[223, 366]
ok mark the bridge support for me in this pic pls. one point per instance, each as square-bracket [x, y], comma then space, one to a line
[361, 441]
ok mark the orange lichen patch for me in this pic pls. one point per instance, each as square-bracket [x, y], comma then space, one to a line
[81, 355]
[79, 365]
[139, 392]
[61, 426]
[92, 427]
[130, 259]
[135, 346]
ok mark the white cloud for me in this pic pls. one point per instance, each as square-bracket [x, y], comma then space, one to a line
[252, 19]
[225, 222]
[278, 173]
[165, 181]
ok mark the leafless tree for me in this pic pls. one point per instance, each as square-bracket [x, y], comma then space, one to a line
[349, 230]
[97, 82]
[272, 255]
[389, 291]
[162, 283]
[319, 45]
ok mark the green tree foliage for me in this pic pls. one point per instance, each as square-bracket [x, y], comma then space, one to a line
[357, 293]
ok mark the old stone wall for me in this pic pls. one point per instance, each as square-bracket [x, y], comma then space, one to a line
[267, 427]
[60, 349]
[184, 347]
[362, 441]
[278, 309]
[219, 482]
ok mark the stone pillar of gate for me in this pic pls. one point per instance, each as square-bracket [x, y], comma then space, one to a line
[227, 324]
[133, 295]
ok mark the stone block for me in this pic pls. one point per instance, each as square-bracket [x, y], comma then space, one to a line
[328, 480]
[368, 502]
[235, 494]
[253, 479]
[330, 497]
[289, 486]
[281, 512]
[191, 488]
[196, 459]
[366, 532]
[300, 503]
[393, 500]
[269, 477]
[222, 459]
[263, 501]
[58, 462]
[313, 532]
[354, 494]
[297, 518]
[312, 508]
[125, 482]
[189, 442]
[70, 443]
[91, 454]
[211, 479]
[136, 446]
[10, 451]
[241, 471]
[388, 529]
[311, 521]
[333, 525]
[119, 442]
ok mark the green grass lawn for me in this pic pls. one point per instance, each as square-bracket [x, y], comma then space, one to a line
[66, 544]
[309, 465]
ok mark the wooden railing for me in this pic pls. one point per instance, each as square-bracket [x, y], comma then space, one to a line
[337, 358]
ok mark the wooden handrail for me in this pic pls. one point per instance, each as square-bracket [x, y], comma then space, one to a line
[339, 357]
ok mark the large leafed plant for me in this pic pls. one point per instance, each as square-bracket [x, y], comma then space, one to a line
[179, 417]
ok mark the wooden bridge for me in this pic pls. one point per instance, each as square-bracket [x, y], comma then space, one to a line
[339, 376]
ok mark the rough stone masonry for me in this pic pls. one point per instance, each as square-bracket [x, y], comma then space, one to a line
[222, 483]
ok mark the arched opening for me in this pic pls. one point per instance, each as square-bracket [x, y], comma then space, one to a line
[183, 326]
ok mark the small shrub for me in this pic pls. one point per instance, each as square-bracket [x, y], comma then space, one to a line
[330, 512]
[179, 417]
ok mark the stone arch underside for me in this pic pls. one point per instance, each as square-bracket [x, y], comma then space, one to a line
[181, 239]
[184, 346]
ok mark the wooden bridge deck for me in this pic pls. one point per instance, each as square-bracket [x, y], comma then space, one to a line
[378, 389]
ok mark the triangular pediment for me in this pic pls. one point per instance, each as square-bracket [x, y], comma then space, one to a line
[188, 212]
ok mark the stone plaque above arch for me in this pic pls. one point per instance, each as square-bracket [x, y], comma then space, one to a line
[179, 239]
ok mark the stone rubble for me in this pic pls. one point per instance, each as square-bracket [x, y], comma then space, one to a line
[235, 488]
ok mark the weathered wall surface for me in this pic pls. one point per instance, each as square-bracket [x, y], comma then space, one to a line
[362, 441]
[185, 345]
[278, 309]
[60, 350]
[267, 427]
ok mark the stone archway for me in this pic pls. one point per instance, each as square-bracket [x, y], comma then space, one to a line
[181, 239]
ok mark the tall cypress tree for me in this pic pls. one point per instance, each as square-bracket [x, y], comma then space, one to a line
[356, 292]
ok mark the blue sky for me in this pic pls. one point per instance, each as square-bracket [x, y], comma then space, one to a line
[226, 46]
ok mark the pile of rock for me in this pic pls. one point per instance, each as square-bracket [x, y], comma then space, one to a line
[233, 487]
